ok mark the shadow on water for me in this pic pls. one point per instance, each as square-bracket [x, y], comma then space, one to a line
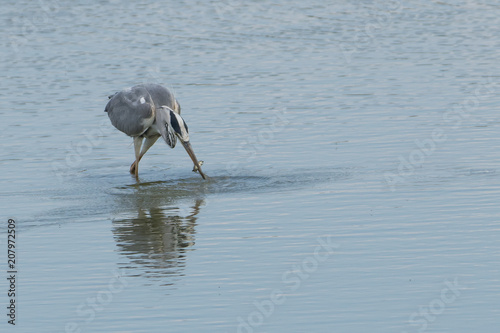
[154, 226]
[156, 240]
[226, 184]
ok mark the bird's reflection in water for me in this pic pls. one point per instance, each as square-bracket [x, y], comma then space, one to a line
[157, 234]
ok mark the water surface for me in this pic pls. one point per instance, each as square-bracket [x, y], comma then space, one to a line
[371, 127]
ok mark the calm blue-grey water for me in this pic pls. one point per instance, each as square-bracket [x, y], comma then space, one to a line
[353, 150]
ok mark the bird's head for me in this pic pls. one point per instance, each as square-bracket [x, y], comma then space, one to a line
[178, 126]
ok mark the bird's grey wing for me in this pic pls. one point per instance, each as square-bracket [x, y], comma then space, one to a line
[163, 121]
[131, 111]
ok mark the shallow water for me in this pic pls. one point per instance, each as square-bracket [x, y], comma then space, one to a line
[352, 151]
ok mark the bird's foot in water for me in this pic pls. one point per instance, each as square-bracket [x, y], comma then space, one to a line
[196, 167]
[132, 168]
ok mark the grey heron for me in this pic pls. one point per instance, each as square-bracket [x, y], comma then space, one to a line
[148, 111]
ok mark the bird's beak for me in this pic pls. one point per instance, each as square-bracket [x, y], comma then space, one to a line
[189, 149]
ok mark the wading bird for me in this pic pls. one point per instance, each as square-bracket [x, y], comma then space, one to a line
[149, 111]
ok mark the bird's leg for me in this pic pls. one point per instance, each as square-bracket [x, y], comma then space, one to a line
[137, 149]
[149, 142]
